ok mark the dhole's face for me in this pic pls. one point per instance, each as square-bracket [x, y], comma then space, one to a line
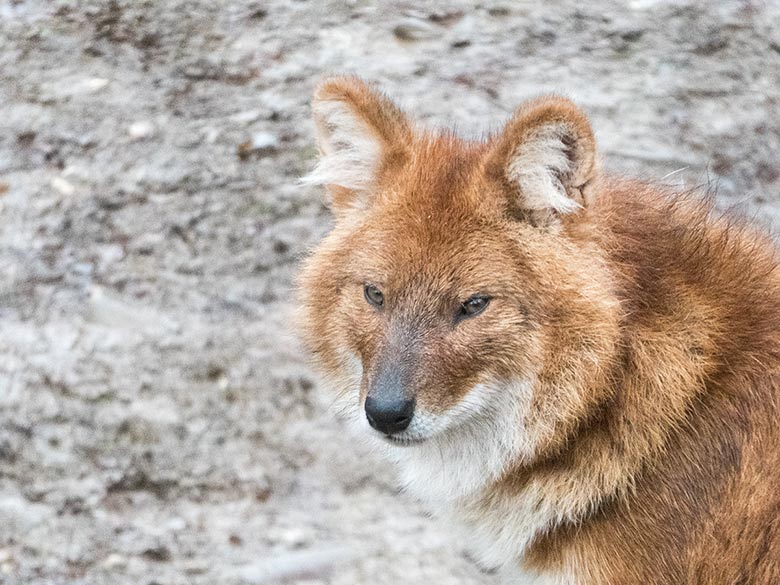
[447, 294]
[427, 314]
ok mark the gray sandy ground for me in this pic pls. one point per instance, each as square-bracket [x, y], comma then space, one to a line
[158, 421]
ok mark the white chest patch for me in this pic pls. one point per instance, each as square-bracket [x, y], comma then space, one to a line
[451, 473]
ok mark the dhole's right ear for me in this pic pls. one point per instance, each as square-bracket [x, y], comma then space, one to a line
[359, 134]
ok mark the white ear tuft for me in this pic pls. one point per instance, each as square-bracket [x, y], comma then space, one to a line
[350, 150]
[547, 153]
[540, 165]
[360, 134]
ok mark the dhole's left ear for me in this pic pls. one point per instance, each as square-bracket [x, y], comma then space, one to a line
[359, 133]
[547, 155]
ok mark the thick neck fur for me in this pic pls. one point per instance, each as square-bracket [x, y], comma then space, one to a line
[700, 300]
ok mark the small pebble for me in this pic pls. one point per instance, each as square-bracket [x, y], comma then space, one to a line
[63, 186]
[414, 29]
[114, 561]
[196, 568]
[263, 141]
[262, 144]
[141, 130]
[96, 84]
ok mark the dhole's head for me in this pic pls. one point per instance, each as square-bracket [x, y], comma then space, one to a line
[459, 288]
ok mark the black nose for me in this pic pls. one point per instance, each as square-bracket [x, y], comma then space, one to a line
[389, 416]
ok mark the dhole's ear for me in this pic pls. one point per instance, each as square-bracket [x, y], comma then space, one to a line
[359, 132]
[547, 154]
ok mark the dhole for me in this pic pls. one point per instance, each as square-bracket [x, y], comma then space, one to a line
[579, 370]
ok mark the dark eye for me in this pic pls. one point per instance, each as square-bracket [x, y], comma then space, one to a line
[474, 306]
[373, 295]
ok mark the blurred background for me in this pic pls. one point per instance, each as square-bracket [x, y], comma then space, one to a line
[159, 424]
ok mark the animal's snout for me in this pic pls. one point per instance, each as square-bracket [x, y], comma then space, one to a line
[389, 415]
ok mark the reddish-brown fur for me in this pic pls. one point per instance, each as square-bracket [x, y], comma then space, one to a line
[649, 324]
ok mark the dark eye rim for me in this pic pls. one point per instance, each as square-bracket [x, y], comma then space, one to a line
[373, 295]
[473, 306]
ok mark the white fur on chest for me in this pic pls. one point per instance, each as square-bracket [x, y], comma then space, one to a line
[452, 475]
[497, 533]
